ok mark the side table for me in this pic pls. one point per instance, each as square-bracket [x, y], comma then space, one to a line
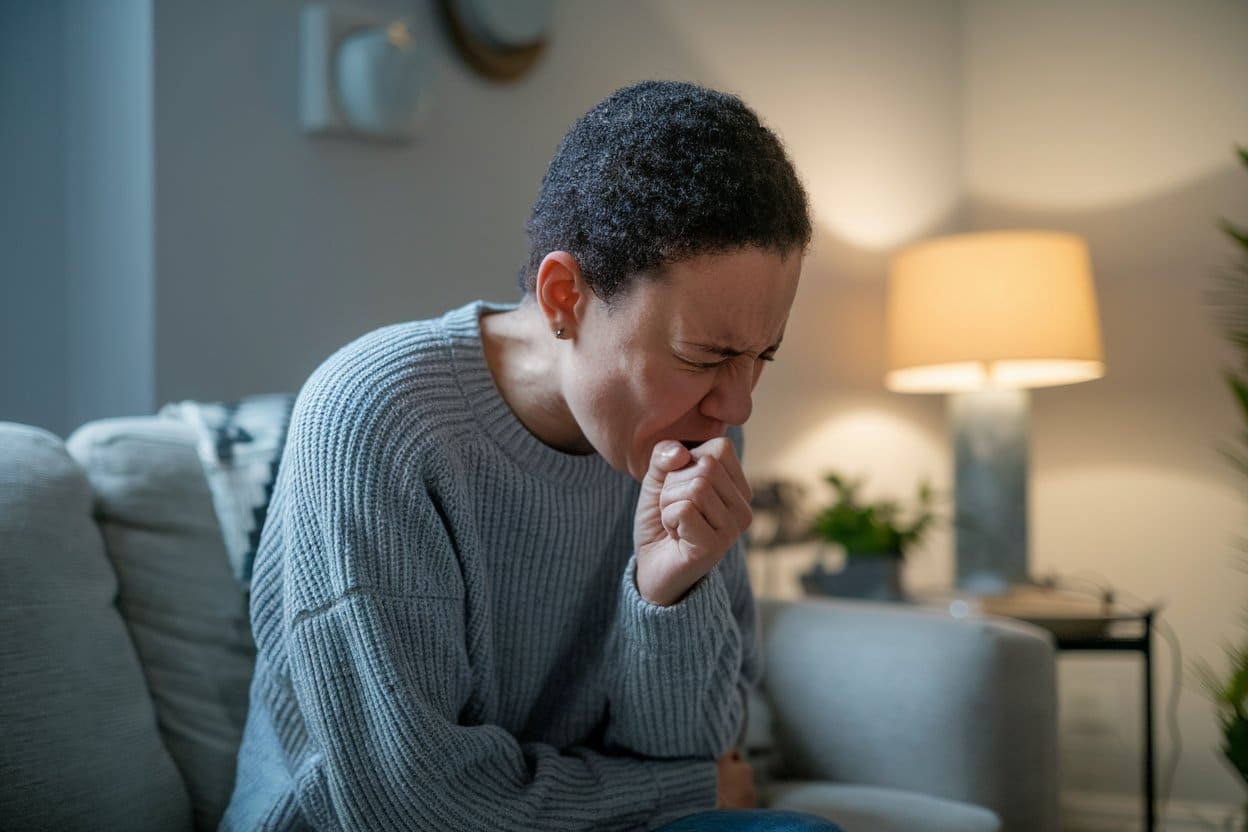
[1085, 630]
[1127, 632]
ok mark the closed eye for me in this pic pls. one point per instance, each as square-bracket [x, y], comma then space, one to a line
[711, 365]
[727, 354]
[769, 355]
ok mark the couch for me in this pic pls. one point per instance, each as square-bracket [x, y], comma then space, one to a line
[126, 656]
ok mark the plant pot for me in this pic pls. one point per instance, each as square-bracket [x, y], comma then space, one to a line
[874, 577]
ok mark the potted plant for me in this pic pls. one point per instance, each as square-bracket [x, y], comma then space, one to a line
[1229, 690]
[875, 536]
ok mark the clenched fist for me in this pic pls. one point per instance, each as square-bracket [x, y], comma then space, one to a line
[694, 504]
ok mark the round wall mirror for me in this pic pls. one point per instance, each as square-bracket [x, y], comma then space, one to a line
[501, 39]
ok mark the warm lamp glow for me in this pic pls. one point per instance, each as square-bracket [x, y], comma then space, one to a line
[994, 310]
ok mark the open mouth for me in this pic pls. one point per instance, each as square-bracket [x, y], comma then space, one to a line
[691, 443]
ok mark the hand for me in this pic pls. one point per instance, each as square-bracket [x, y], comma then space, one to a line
[694, 504]
[734, 782]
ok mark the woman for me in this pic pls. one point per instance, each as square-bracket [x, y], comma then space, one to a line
[500, 586]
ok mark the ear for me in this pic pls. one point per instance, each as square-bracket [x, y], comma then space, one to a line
[561, 292]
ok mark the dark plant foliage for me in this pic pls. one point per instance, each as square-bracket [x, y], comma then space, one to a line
[1229, 690]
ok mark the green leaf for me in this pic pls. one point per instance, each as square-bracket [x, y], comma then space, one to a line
[884, 527]
[1235, 747]
[1237, 686]
[1240, 235]
[1240, 388]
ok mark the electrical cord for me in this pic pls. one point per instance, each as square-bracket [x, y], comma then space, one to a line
[1172, 710]
[1108, 595]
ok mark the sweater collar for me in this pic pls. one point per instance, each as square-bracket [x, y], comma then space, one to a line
[497, 421]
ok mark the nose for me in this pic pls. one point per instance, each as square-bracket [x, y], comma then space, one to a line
[731, 398]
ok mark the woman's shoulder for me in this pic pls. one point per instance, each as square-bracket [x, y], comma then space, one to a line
[389, 389]
[366, 467]
[385, 355]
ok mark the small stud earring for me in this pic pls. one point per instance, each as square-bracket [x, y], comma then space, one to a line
[559, 332]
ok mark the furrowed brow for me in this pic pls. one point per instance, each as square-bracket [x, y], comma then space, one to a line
[726, 351]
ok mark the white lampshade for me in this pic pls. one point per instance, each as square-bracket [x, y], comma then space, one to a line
[992, 310]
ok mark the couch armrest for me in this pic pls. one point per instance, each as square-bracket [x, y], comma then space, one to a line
[887, 695]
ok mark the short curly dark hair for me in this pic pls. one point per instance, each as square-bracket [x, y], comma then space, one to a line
[660, 171]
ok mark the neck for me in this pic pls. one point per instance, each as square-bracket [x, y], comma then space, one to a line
[523, 357]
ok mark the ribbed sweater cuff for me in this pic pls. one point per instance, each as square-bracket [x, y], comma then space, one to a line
[680, 626]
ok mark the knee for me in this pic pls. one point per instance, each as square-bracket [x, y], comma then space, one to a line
[801, 822]
[786, 821]
[752, 820]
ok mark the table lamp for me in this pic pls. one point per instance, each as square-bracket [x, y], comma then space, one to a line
[984, 317]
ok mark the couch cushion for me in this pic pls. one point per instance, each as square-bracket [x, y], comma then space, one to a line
[186, 612]
[878, 809]
[79, 747]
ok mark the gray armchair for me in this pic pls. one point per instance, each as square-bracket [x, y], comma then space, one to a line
[884, 718]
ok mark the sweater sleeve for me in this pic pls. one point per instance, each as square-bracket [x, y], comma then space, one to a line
[379, 681]
[681, 672]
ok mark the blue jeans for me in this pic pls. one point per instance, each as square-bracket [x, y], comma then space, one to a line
[751, 820]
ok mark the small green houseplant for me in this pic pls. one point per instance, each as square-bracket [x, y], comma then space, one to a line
[875, 535]
[880, 528]
[1229, 690]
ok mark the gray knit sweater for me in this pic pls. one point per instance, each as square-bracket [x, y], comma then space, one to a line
[449, 632]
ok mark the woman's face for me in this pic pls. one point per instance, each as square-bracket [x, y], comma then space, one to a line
[678, 357]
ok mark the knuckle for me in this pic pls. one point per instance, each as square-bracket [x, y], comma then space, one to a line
[683, 511]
